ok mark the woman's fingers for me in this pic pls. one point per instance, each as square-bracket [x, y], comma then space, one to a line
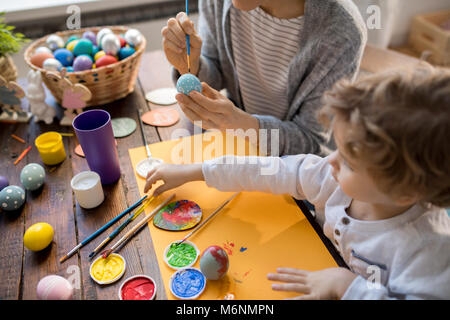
[186, 24]
[175, 28]
[170, 37]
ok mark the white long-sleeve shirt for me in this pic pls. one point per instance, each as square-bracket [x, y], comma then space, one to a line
[404, 257]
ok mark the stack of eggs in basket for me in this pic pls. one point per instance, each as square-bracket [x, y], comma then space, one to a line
[87, 52]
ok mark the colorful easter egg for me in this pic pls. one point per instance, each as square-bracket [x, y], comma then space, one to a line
[110, 44]
[82, 62]
[90, 35]
[125, 52]
[214, 263]
[84, 46]
[134, 37]
[54, 42]
[3, 182]
[54, 287]
[71, 38]
[38, 236]
[38, 58]
[99, 54]
[71, 45]
[187, 83]
[105, 60]
[123, 42]
[32, 176]
[12, 198]
[43, 49]
[52, 64]
[101, 34]
[69, 69]
[64, 56]
[95, 50]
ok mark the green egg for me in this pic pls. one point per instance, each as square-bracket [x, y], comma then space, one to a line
[84, 46]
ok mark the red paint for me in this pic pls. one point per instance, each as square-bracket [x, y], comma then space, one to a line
[228, 247]
[138, 288]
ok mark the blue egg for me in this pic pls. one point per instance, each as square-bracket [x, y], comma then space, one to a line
[84, 46]
[12, 198]
[69, 69]
[32, 176]
[187, 83]
[64, 56]
[95, 49]
[125, 52]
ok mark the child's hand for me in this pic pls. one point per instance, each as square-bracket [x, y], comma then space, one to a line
[318, 285]
[173, 176]
[215, 110]
[175, 44]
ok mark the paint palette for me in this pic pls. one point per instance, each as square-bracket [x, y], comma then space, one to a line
[179, 215]
[187, 283]
[181, 256]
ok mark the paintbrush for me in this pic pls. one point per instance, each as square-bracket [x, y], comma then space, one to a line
[99, 231]
[121, 227]
[187, 41]
[137, 227]
[209, 218]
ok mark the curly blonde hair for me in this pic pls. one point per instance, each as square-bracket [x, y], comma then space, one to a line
[399, 127]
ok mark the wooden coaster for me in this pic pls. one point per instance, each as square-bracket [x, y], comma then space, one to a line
[123, 127]
[162, 117]
[163, 96]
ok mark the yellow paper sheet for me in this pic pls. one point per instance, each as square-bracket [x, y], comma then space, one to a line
[260, 231]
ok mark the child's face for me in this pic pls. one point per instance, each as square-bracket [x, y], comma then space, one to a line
[247, 5]
[353, 177]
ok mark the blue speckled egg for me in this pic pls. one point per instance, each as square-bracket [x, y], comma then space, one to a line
[64, 56]
[125, 52]
[12, 198]
[187, 83]
[32, 176]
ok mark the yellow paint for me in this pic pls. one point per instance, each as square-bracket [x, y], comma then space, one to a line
[106, 270]
[51, 147]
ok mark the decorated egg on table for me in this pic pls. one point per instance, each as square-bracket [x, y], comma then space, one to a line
[101, 34]
[38, 58]
[54, 42]
[125, 52]
[84, 46]
[134, 37]
[105, 60]
[43, 49]
[12, 198]
[99, 54]
[90, 35]
[71, 38]
[3, 182]
[187, 83]
[54, 287]
[38, 236]
[71, 45]
[32, 176]
[110, 44]
[52, 64]
[82, 62]
[64, 56]
[214, 263]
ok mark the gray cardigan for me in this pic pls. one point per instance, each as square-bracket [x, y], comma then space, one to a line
[331, 47]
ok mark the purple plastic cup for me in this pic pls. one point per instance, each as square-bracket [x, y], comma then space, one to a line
[95, 134]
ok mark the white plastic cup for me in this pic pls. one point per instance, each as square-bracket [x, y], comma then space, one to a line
[88, 189]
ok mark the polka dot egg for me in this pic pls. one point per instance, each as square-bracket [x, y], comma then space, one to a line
[187, 83]
[32, 176]
[12, 198]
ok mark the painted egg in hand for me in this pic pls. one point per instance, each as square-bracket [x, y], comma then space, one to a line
[32, 176]
[214, 262]
[12, 198]
[187, 83]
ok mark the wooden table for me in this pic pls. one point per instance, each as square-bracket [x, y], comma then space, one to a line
[20, 268]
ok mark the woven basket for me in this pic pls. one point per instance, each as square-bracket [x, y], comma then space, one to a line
[107, 84]
[8, 69]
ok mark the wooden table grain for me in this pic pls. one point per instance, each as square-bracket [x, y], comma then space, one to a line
[20, 268]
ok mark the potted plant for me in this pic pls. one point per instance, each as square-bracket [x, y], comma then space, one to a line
[10, 42]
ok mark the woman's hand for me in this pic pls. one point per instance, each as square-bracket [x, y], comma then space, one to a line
[175, 44]
[173, 176]
[215, 110]
[325, 284]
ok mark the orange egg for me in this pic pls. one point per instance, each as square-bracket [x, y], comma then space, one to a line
[105, 60]
[39, 58]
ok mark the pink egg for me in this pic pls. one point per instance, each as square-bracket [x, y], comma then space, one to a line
[38, 58]
[54, 287]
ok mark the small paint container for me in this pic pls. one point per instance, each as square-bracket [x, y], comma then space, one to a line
[140, 287]
[183, 256]
[51, 148]
[88, 189]
[109, 270]
[187, 283]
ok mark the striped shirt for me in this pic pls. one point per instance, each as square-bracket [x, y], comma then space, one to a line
[263, 48]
